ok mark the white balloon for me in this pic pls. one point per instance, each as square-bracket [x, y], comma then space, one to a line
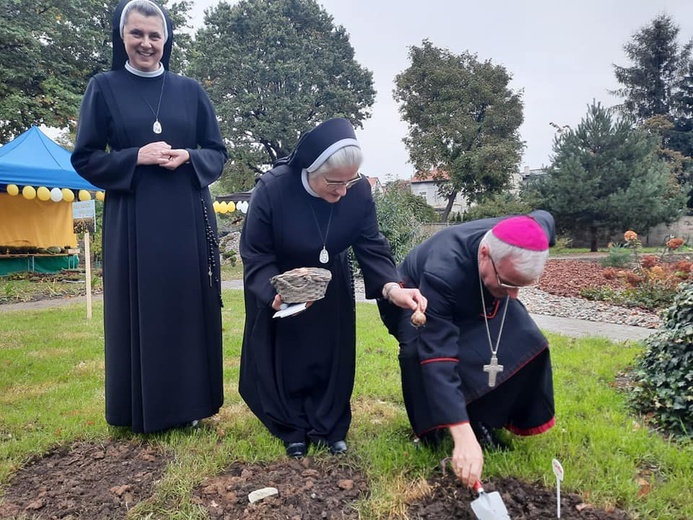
[56, 195]
[242, 206]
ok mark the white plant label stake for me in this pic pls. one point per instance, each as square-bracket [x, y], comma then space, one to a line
[558, 471]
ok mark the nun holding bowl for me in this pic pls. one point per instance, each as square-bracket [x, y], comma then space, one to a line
[297, 371]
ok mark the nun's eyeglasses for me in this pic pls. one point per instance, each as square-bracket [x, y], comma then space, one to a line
[504, 284]
[338, 184]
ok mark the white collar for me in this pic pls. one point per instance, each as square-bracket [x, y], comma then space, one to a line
[143, 74]
[306, 185]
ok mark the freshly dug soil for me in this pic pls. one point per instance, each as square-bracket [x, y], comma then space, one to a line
[450, 500]
[308, 488]
[88, 481]
[102, 481]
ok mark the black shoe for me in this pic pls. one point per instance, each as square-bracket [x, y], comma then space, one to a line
[296, 450]
[488, 440]
[338, 447]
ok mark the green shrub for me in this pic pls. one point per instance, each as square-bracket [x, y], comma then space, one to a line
[645, 290]
[230, 256]
[664, 372]
[618, 256]
[400, 219]
[651, 297]
[562, 245]
[601, 293]
[650, 294]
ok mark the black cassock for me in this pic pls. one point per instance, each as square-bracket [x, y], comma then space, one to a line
[162, 308]
[442, 363]
[297, 373]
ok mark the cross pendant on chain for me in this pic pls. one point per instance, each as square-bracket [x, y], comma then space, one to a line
[493, 368]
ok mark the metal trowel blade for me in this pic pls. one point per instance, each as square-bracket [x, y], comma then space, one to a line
[489, 506]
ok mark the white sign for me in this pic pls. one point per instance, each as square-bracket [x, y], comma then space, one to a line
[558, 471]
[84, 209]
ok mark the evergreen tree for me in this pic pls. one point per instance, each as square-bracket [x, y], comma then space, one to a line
[606, 176]
[657, 92]
[680, 137]
[652, 85]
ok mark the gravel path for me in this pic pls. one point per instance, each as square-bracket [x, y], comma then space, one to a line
[544, 303]
[540, 302]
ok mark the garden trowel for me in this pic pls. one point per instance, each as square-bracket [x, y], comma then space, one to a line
[488, 506]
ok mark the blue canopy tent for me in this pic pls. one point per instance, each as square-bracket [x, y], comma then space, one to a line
[36, 231]
[34, 159]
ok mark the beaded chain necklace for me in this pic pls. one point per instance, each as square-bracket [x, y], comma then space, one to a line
[212, 243]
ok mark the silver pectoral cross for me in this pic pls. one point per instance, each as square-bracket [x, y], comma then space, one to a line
[493, 368]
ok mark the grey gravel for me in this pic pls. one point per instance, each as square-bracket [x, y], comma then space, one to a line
[540, 302]
[543, 303]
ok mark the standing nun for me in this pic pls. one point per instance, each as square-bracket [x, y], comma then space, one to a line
[150, 138]
[297, 373]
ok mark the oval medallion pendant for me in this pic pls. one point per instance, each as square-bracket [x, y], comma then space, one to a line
[156, 127]
[324, 256]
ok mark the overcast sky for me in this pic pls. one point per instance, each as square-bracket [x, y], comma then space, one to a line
[559, 52]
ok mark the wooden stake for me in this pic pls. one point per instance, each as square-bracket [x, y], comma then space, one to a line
[87, 271]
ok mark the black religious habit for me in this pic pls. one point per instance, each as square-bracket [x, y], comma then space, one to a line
[162, 305]
[297, 373]
[442, 364]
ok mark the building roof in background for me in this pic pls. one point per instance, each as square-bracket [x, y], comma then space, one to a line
[434, 175]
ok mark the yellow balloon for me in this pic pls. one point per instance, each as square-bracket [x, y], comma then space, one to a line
[100, 195]
[68, 195]
[28, 192]
[43, 193]
[12, 189]
[215, 205]
[223, 208]
[84, 195]
[231, 206]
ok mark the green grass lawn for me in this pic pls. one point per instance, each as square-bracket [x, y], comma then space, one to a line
[51, 392]
[26, 286]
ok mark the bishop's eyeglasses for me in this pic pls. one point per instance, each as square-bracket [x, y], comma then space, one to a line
[503, 283]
